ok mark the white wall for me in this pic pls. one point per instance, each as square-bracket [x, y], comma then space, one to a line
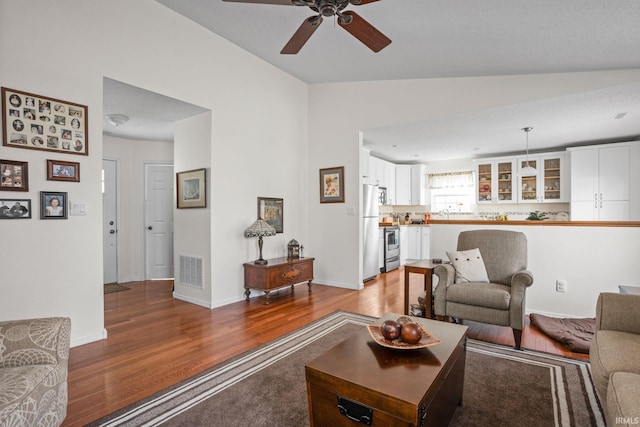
[258, 114]
[591, 259]
[338, 112]
[270, 134]
[131, 157]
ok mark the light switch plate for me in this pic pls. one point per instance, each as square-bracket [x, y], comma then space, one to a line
[78, 208]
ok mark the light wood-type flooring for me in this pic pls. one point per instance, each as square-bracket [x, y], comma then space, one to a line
[155, 341]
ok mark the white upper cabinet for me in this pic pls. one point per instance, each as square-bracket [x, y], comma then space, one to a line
[418, 183]
[600, 183]
[550, 185]
[390, 182]
[410, 184]
[495, 181]
[403, 185]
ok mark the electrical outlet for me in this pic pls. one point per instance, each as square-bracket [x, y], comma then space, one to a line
[561, 285]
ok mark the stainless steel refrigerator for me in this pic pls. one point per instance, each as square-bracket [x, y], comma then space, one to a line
[370, 231]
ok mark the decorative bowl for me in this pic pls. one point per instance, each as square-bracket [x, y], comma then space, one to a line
[427, 339]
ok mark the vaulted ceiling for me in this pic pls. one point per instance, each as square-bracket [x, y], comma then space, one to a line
[444, 38]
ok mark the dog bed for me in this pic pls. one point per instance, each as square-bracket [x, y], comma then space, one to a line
[575, 334]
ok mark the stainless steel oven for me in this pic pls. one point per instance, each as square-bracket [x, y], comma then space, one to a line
[391, 248]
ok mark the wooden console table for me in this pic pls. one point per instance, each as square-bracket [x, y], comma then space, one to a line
[277, 273]
[424, 267]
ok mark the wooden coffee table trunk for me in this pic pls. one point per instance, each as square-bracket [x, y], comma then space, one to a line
[361, 382]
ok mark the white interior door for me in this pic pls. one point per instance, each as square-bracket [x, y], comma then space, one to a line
[159, 187]
[110, 220]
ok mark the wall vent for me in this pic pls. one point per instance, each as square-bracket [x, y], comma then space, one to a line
[191, 271]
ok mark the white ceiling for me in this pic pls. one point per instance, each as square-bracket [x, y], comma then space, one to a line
[444, 38]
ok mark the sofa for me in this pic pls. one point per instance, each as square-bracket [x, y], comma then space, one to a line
[34, 362]
[613, 356]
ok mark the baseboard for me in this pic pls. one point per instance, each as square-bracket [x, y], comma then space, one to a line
[90, 339]
[205, 304]
[339, 285]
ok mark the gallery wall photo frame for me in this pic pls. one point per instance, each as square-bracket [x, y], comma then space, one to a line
[14, 175]
[53, 205]
[332, 185]
[15, 208]
[58, 170]
[271, 210]
[191, 188]
[41, 123]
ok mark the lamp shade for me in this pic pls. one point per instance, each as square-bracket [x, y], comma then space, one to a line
[260, 228]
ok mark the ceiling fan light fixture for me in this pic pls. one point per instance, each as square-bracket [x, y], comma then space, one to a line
[528, 170]
[116, 119]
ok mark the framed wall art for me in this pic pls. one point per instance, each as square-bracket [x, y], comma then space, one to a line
[15, 208]
[332, 185]
[191, 188]
[41, 123]
[271, 210]
[14, 176]
[58, 170]
[53, 205]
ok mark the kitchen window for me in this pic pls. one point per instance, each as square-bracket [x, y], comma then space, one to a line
[453, 191]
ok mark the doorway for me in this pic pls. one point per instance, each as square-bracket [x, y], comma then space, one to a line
[110, 220]
[158, 212]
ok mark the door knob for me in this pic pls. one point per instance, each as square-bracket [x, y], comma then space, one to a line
[112, 231]
[149, 228]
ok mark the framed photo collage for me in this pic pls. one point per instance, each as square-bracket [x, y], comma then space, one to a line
[37, 122]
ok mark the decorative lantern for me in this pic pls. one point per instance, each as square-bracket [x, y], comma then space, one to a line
[293, 249]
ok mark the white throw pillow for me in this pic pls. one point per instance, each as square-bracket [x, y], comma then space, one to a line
[469, 266]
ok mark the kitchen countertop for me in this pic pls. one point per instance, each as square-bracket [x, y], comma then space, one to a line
[538, 223]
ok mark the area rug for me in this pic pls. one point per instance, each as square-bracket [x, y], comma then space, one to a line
[266, 386]
[114, 287]
[575, 334]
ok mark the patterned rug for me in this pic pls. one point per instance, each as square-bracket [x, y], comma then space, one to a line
[114, 287]
[502, 386]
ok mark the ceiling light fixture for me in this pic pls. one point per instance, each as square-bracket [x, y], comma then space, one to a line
[116, 119]
[528, 170]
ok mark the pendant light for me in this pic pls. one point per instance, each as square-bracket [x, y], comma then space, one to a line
[528, 170]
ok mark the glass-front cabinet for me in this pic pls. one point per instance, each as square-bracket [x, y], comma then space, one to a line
[495, 181]
[549, 186]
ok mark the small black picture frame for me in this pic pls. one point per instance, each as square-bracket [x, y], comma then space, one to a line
[15, 208]
[53, 205]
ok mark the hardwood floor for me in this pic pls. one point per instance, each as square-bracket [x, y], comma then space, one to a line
[155, 341]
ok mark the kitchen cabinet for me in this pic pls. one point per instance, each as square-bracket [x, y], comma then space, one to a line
[418, 183]
[404, 244]
[495, 181]
[414, 243]
[381, 173]
[550, 185]
[600, 182]
[425, 243]
[410, 184]
[381, 248]
[390, 181]
[376, 171]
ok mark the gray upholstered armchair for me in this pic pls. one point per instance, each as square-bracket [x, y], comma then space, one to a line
[502, 300]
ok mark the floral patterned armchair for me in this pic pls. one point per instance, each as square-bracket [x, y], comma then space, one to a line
[34, 356]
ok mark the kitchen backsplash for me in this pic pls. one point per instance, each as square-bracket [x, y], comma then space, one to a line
[555, 211]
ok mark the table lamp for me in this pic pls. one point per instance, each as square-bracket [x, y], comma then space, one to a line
[258, 229]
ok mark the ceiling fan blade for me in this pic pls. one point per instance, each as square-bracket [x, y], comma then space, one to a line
[361, 2]
[363, 31]
[300, 37]
[283, 2]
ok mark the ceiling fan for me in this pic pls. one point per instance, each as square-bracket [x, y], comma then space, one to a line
[350, 21]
